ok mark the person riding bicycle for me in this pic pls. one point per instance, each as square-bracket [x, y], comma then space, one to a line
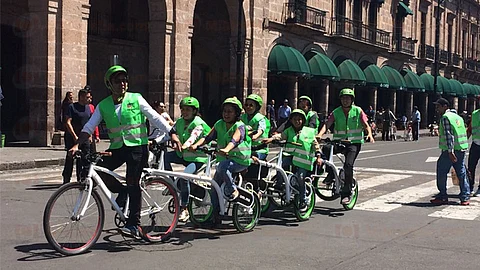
[125, 114]
[187, 130]
[305, 104]
[350, 121]
[302, 151]
[233, 150]
[258, 126]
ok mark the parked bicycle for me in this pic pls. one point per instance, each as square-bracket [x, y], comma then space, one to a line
[74, 215]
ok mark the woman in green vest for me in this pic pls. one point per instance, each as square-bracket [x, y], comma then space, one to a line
[187, 130]
[125, 114]
[302, 153]
[233, 150]
[258, 126]
[350, 122]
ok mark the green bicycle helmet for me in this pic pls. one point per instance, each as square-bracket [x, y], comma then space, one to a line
[347, 92]
[300, 112]
[112, 70]
[306, 98]
[190, 101]
[257, 99]
[234, 101]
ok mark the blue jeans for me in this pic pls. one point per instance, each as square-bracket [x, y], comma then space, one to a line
[301, 173]
[443, 167]
[172, 157]
[224, 174]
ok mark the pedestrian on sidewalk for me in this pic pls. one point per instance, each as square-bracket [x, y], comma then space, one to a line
[77, 116]
[271, 115]
[96, 133]
[474, 153]
[283, 113]
[453, 142]
[388, 118]
[62, 119]
[416, 117]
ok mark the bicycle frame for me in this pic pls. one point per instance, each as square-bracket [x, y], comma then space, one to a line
[336, 170]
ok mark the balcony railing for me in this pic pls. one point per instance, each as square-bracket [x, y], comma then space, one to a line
[470, 64]
[455, 59]
[100, 24]
[478, 66]
[443, 56]
[305, 15]
[342, 26]
[426, 52]
[405, 45]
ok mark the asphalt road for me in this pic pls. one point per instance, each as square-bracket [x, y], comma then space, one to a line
[393, 226]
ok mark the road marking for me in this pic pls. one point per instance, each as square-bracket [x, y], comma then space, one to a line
[380, 180]
[380, 170]
[469, 212]
[368, 151]
[397, 199]
[431, 159]
[400, 153]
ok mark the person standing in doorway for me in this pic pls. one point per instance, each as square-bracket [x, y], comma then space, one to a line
[415, 123]
[283, 112]
[271, 115]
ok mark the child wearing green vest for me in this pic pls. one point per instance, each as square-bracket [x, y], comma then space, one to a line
[233, 150]
[302, 149]
[258, 126]
[187, 130]
[305, 104]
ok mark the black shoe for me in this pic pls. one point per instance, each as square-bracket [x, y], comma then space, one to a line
[133, 231]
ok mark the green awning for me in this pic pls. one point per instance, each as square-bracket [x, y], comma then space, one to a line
[470, 89]
[443, 85]
[427, 80]
[321, 66]
[349, 71]
[375, 76]
[413, 81]
[455, 89]
[284, 59]
[395, 79]
[404, 9]
[478, 90]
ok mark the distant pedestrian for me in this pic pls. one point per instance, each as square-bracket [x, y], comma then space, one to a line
[388, 118]
[64, 110]
[271, 115]
[453, 142]
[474, 153]
[96, 133]
[283, 112]
[415, 123]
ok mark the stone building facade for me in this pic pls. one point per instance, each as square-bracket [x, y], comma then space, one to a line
[213, 49]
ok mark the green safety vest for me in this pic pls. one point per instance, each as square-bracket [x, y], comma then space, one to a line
[348, 129]
[184, 133]
[254, 124]
[304, 155]
[460, 141]
[130, 129]
[242, 152]
[476, 125]
[309, 115]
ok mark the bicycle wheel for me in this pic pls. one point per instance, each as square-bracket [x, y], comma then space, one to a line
[68, 234]
[160, 210]
[277, 201]
[354, 196]
[310, 194]
[200, 210]
[326, 191]
[264, 203]
[246, 218]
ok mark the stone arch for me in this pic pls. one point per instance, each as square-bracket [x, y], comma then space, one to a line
[367, 58]
[340, 55]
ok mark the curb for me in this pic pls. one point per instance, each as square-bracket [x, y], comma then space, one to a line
[31, 164]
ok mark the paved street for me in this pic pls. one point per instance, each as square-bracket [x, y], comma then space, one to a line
[393, 226]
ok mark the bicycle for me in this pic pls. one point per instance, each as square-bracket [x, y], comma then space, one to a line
[78, 207]
[283, 198]
[328, 187]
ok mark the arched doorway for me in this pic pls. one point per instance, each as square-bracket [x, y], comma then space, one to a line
[210, 79]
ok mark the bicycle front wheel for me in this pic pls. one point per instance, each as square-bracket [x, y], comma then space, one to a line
[67, 232]
[246, 218]
[160, 209]
[325, 189]
[200, 210]
[354, 196]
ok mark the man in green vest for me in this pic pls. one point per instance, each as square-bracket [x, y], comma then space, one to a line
[187, 130]
[474, 153]
[453, 142]
[350, 122]
[125, 115]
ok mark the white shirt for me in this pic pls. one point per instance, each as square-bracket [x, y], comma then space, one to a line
[152, 115]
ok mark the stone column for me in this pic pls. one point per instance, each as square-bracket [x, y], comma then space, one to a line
[423, 108]
[372, 98]
[293, 92]
[409, 105]
[320, 95]
[393, 101]
[160, 45]
[454, 103]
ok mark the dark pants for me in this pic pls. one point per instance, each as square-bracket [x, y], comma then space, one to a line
[136, 158]
[281, 121]
[386, 131]
[79, 164]
[473, 157]
[351, 153]
[415, 128]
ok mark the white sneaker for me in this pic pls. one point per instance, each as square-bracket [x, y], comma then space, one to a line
[477, 194]
[184, 216]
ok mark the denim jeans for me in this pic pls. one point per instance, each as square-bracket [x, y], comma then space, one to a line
[443, 167]
[172, 157]
[474, 155]
[301, 173]
[224, 174]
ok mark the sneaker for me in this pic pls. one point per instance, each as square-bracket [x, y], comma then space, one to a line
[345, 200]
[303, 206]
[465, 203]
[234, 195]
[132, 231]
[477, 194]
[439, 201]
[184, 216]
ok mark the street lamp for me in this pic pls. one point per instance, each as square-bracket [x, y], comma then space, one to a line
[437, 46]
[239, 77]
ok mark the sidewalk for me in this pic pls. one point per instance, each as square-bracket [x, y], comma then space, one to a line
[26, 157]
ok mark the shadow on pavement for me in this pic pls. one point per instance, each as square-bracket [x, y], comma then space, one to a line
[331, 212]
[44, 187]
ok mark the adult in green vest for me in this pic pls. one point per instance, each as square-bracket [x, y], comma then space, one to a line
[453, 142]
[350, 122]
[125, 115]
[258, 126]
[302, 151]
[187, 130]
[474, 153]
[305, 104]
[233, 150]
